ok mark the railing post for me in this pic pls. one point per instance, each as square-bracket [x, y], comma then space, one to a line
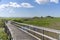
[43, 34]
[59, 37]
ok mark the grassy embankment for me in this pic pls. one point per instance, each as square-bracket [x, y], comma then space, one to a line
[45, 22]
[3, 35]
[41, 22]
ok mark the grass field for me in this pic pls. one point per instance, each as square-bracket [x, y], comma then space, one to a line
[45, 22]
[41, 22]
[3, 35]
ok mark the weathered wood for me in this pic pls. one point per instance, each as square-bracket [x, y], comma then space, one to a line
[36, 28]
[18, 34]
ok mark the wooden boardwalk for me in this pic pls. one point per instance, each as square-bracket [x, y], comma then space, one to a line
[44, 33]
[30, 32]
[18, 34]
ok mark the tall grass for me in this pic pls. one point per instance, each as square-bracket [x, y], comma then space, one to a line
[3, 35]
[41, 22]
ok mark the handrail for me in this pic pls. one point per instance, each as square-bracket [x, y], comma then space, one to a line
[42, 28]
[41, 34]
[8, 32]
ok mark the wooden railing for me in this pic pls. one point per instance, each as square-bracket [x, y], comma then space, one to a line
[8, 32]
[40, 32]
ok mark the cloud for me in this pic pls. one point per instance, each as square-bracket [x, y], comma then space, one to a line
[55, 1]
[46, 1]
[11, 4]
[3, 6]
[41, 1]
[26, 5]
[15, 5]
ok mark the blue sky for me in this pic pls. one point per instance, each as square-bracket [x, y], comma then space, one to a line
[29, 8]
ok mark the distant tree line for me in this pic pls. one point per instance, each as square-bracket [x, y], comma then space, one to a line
[42, 17]
[30, 19]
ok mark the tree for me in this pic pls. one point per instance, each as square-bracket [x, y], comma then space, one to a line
[41, 17]
[36, 17]
[49, 17]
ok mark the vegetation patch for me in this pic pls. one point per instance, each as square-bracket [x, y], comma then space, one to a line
[49, 22]
[3, 35]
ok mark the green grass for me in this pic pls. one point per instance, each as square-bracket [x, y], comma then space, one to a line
[41, 22]
[45, 22]
[3, 35]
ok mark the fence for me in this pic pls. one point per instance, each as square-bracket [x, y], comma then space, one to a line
[40, 32]
[8, 32]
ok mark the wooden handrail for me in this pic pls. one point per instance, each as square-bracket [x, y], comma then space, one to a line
[42, 28]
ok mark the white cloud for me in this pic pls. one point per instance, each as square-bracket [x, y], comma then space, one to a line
[3, 6]
[11, 4]
[26, 5]
[55, 1]
[15, 5]
[42, 1]
[46, 1]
